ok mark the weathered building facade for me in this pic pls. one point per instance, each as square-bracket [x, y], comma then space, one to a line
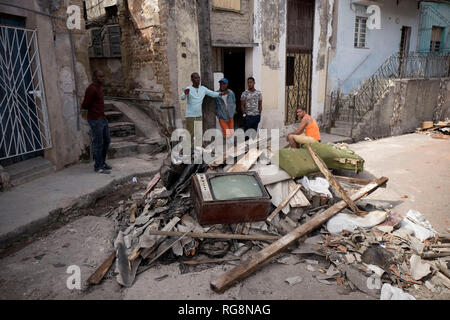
[44, 70]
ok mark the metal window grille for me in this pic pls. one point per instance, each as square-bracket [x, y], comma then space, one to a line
[23, 113]
[360, 32]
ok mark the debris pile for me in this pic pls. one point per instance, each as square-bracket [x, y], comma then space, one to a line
[367, 247]
[438, 130]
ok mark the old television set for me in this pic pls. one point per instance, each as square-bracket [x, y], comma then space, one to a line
[229, 198]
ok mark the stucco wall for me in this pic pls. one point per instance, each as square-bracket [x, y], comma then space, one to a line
[68, 141]
[408, 103]
[352, 65]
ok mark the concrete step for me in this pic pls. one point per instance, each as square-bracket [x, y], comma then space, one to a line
[341, 131]
[121, 129]
[122, 149]
[28, 170]
[113, 116]
[342, 124]
[110, 107]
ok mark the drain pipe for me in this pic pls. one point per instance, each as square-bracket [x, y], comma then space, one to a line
[72, 46]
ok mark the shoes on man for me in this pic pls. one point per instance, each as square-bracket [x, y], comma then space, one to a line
[107, 166]
[103, 170]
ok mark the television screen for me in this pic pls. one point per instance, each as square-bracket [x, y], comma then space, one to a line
[234, 186]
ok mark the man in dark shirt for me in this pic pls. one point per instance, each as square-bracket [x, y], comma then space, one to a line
[94, 104]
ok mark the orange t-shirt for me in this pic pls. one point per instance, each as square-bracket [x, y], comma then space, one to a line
[312, 130]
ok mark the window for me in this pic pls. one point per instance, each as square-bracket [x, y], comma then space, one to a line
[231, 5]
[360, 32]
[105, 41]
[436, 36]
[290, 69]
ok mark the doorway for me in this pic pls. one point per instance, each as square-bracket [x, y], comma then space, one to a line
[299, 48]
[404, 50]
[234, 71]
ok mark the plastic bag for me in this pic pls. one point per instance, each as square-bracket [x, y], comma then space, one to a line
[343, 221]
[319, 185]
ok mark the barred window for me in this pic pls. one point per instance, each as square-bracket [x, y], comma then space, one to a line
[436, 37]
[114, 40]
[360, 32]
[105, 41]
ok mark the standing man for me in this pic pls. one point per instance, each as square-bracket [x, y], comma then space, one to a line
[195, 95]
[94, 103]
[251, 106]
[226, 108]
[308, 126]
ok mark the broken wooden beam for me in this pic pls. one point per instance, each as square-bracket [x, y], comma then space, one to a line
[152, 184]
[227, 236]
[196, 262]
[241, 271]
[299, 199]
[283, 204]
[333, 182]
[98, 275]
[433, 255]
[244, 164]
[133, 209]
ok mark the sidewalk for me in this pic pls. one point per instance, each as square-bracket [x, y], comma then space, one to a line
[26, 208]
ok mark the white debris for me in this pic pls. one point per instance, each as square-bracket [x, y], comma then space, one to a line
[310, 268]
[294, 280]
[418, 268]
[389, 292]
[319, 185]
[421, 227]
[344, 221]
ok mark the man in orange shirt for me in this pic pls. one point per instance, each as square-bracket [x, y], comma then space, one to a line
[307, 125]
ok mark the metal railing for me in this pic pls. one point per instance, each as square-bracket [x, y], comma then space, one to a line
[354, 106]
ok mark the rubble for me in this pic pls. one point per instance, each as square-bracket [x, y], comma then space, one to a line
[382, 253]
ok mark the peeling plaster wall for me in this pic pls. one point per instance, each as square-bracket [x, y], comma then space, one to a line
[408, 103]
[187, 52]
[68, 143]
[322, 49]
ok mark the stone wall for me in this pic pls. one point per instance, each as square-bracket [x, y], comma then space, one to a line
[232, 27]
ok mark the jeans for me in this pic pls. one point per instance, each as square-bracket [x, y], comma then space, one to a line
[100, 141]
[251, 122]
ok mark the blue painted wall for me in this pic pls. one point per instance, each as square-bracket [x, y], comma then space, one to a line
[350, 66]
[438, 15]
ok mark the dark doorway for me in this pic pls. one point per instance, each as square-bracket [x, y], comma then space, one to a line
[234, 71]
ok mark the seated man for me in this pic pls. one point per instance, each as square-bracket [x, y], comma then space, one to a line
[307, 132]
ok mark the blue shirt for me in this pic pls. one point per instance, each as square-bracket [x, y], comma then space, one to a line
[195, 99]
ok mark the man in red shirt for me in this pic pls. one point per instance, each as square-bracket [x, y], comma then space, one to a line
[94, 103]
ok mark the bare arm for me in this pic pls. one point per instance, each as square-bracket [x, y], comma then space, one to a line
[243, 106]
[260, 106]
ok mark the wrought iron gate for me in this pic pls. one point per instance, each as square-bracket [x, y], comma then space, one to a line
[300, 22]
[23, 112]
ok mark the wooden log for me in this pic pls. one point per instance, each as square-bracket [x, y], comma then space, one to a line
[283, 204]
[333, 182]
[98, 275]
[247, 161]
[443, 269]
[226, 236]
[152, 184]
[241, 271]
[433, 255]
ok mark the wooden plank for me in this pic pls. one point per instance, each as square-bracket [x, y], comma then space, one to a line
[152, 184]
[98, 275]
[227, 236]
[352, 180]
[333, 182]
[196, 262]
[241, 271]
[133, 209]
[283, 204]
[299, 200]
[247, 161]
